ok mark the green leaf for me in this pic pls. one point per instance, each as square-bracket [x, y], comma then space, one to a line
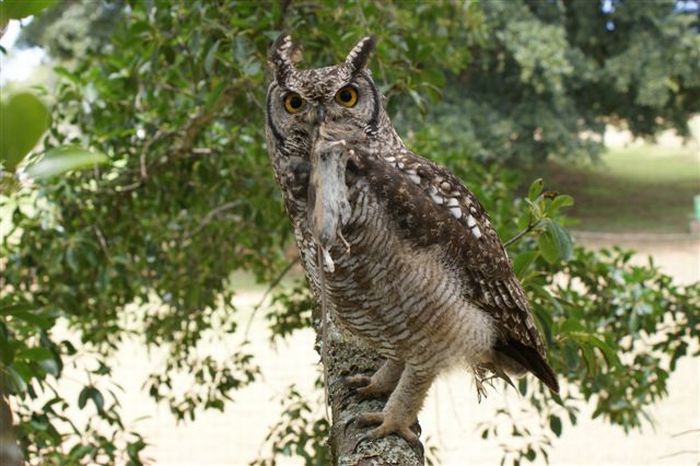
[589, 358]
[35, 354]
[97, 398]
[79, 451]
[15, 309]
[134, 448]
[572, 326]
[17, 9]
[91, 393]
[50, 366]
[69, 347]
[522, 386]
[535, 210]
[555, 242]
[531, 454]
[65, 73]
[23, 370]
[215, 93]
[563, 200]
[23, 119]
[572, 418]
[211, 56]
[535, 189]
[64, 159]
[83, 397]
[523, 262]
[418, 100]
[610, 355]
[40, 320]
[15, 381]
[555, 425]
[548, 248]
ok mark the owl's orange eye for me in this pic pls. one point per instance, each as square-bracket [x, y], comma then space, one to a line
[293, 102]
[347, 96]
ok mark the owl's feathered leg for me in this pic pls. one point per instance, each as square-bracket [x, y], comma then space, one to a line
[380, 384]
[401, 411]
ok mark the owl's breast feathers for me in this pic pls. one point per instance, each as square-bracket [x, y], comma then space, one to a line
[430, 206]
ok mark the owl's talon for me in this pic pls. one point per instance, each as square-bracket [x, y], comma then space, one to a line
[364, 420]
[360, 439]
[347, 423]
[355, 381]
[371, 392]
[385, 429]
[371, 418]
[362, 388]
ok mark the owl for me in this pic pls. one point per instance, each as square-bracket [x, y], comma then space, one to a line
[410, 260]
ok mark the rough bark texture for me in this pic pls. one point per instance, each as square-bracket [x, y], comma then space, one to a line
[346, 356]
[10, 453]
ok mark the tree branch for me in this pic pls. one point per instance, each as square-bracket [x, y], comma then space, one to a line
[210, 216]
[273, 285]
[184, 146]
[530, 226]
[347, 356]
[10, 453]
[202, 119]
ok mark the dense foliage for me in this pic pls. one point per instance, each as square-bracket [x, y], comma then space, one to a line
[144, 247]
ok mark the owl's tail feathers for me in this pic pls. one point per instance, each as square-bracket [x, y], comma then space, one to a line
[529, 358]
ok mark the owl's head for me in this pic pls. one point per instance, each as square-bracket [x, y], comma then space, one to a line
[298, 101]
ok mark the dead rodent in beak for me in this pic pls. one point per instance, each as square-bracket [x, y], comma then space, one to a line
[329, 209]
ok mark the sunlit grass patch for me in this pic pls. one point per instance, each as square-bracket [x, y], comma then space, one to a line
[641, 187]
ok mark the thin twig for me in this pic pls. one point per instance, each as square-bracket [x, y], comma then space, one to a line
[129, 187]
[685, 432]
[530, 226]
[103, 242]
[202, 119]
[678, 453]
[143, 166]
[272, 286]
[142, 162]
[202, 151]
[210, 216]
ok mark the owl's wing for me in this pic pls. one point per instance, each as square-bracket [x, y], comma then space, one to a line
[431, 206]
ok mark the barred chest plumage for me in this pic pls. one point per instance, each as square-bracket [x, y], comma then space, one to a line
[407, 299]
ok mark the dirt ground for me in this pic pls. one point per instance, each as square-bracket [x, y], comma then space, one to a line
[449, 418]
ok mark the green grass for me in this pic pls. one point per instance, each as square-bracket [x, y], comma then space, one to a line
[640, 188]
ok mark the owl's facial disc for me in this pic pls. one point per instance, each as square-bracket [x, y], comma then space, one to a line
[299, 101]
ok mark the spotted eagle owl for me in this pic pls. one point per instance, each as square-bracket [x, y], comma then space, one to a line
[411, 262]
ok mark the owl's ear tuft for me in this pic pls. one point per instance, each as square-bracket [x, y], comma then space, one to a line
[359, 55]
[282, 57]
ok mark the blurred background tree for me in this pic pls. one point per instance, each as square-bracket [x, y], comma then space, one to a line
[172, 93]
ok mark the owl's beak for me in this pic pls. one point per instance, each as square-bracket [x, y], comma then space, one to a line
[320, 114]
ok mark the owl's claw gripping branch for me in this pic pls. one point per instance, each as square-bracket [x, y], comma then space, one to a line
[386, 427]
[380, 385]
[357, 381]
